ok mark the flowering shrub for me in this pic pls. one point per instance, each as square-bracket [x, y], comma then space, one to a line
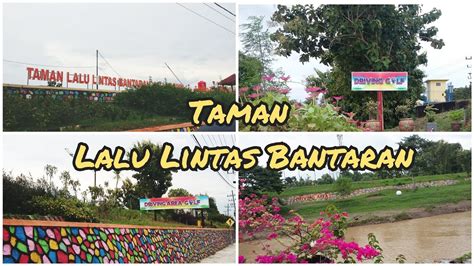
[320, 241]
[308, 116]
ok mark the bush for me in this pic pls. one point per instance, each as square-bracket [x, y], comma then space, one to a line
[343, 186]
[18, 192]
[167, 99]
[71, 209]
[44, 113]
[457, 115]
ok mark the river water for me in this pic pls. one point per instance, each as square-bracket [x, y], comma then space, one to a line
[429, 239]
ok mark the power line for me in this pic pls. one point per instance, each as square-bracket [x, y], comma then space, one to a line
[172, 72]
[218, 12]
[32, 64]
[225, 9]
[111, 67]
[222, 177]
[210, 20]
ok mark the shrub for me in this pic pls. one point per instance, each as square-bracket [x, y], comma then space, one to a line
[343, 186]
[167, 99]
[71, 209]
[457, 115]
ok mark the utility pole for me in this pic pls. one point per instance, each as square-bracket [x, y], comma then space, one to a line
[469, 66]
[172, 72]
[232, 198]
[97, 71]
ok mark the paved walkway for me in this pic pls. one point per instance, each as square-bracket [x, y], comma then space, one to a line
[226, 255]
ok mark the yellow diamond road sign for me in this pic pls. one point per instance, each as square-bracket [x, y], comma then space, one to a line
[230, 222]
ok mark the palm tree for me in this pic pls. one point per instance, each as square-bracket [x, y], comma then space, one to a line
[117, 178]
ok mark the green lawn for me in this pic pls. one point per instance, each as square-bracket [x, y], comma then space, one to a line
[295, 191]
[122, 125]
[387, 200]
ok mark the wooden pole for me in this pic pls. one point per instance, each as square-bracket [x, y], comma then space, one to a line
[380, 109]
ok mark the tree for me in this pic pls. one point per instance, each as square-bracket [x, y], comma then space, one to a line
[129, 196]
[256, 41]
[352, 38]
[117, 178]
[343, 186]
[65, 177]
[250, 70]
[326, 179]
[152, 180]
[178, 192]
[261, 180]
[50, 170]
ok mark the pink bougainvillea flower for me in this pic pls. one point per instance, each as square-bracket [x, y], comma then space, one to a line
[242, 259]
[257, 87]
[338, 98]
[323, 91]
[272, 236]
[268, 77]
[285, 78]
[254, 95]
[284, 91]
[243, 90]
[313, 89]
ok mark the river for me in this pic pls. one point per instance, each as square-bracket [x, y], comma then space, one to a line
[428, 239]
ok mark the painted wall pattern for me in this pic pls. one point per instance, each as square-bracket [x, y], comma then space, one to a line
[60, 93]
[54, 244]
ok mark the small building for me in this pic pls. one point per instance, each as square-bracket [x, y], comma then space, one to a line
[228, 83]
[436, 90]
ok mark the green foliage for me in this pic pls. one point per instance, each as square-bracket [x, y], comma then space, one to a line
[371, 108]
[326, 179]
[178, 192]
[352, 38]
[369, 180]
[49, 114]
[463, 259]
[457, 115]
[437, 157]
[167, 99]
[387, 200]
[430, 112]
[311, 117]
[373, 242]
[260, 180]
[18, 192]
[256, 41]
[250, 70]
[343, 186]
[152, 180]
[462, 93]
[70, 208]
[404, 110]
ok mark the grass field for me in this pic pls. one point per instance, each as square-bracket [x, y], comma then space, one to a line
[121, 125]
[295, 191]
[387, 200]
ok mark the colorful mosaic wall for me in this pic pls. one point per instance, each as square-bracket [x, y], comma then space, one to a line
[60, 93]
[52, 244]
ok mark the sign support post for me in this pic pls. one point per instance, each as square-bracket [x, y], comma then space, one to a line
[380, 109]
